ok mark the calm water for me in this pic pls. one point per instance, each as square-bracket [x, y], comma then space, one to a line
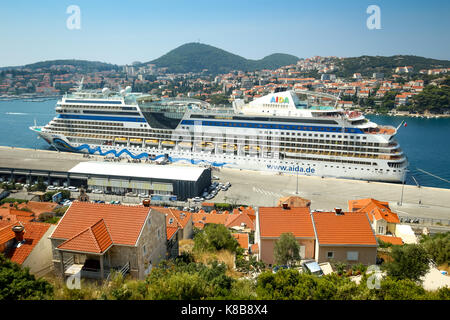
[426, 142]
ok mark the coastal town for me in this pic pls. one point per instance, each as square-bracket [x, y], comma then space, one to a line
[374, 93]
[82, 235]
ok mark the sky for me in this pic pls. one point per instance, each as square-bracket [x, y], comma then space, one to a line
[122, 32]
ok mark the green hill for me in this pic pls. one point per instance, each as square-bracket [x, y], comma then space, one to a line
[367, 65]
[195, 57]
[81, 65]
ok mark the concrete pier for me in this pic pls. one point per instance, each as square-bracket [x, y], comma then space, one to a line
[264, 189]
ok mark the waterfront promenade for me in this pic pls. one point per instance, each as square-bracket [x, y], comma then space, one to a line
[264, 189]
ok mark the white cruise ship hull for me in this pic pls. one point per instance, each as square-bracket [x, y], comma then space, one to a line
[273, 133]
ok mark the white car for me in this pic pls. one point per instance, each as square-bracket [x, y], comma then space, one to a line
[143, 195]
[52, 188]
[197, 199]
[97, 191]
[75, 189]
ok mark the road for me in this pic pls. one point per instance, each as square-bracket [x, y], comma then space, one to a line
[264, 189]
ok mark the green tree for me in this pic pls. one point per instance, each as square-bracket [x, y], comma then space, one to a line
[286, 250]
[215, 237]
[438, 246]
[18, 284]
[410, 261]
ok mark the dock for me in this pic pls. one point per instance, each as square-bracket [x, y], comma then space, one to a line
[259, 188]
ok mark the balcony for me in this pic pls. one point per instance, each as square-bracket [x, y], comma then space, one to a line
[91, 269]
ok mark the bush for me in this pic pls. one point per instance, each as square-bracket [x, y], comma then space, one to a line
[438, 247]
[18, 284]
[286, 250]
[410, 261]
[215, 237]
[180, 281]
[13, 200]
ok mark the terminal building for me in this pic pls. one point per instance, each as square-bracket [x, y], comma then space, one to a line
[160, 182]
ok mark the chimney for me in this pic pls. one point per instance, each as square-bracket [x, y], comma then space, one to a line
[338, 211]
[146, 203]
[18, 231]
[285, 206]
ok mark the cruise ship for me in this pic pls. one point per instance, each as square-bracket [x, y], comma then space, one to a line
[277, 132]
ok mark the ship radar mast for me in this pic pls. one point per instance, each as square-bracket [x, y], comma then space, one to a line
[80, 86]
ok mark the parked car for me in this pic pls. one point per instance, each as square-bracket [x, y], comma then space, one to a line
[52, 188]
[277, 268]
[312, 267]
[97, 191]
[74, 189]
[131, 194]
[198, 199]
[143, 195]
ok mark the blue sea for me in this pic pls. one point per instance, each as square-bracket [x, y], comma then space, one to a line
[426, 142]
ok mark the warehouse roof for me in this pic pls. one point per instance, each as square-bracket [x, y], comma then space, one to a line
[139, 170]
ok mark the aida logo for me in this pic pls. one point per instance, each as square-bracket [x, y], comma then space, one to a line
[279, 100]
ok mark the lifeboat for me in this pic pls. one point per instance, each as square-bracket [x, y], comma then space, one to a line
[206, 145]
[134, 140]
[121, 140]
[229, 147]
[185, 145]
[252, 148]
[153, 142]
[168, 143]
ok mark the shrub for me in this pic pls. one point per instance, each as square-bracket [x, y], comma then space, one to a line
[410, 261]
[215, 237]
[18, 284]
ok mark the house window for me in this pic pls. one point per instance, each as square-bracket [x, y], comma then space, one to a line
[352, 255]
[330, 254]
[381, 229]
[144, 249]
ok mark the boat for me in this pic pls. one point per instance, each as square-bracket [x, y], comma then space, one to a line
[185, 145]
[168, 143]
[134, 140]
[206, 145]
[152, 142]
[277, 132]
[229, 147]
[253, 148]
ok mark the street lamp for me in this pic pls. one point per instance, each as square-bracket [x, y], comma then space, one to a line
[403, 186]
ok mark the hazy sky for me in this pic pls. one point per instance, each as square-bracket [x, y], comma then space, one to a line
[121, 32]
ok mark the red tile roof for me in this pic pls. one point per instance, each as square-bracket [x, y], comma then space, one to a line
[237, 219]
[38, 207]
[33, 233]
[374, 209]
[242, 239]
[201, 218]
[95, 239]
[180, 218]
[6, 233]
[391, 239]
[350, 228]
[123, 223]
[170, 231]
[254, 248]
[274, 221]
